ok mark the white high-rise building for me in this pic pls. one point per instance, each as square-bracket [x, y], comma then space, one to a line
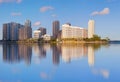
[91, 27]
[69, 31]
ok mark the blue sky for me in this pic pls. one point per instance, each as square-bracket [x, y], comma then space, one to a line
[106, 14]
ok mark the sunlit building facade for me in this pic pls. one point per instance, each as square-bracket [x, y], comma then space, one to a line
[91, 27]
[69, 31]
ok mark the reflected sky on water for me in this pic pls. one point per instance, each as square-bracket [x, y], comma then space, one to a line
[59, 63]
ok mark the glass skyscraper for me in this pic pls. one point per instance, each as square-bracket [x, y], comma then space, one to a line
[56, 27]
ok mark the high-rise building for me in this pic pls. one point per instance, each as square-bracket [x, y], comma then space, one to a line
[91, 27]
[21, 33]
[6, 31]
[10, 31]
[27, 23]
[69, 31]
[43, 30]
[15, 31]
[26, 31]
[56, 27]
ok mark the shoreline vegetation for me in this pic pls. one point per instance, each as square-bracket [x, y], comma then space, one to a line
[96, 40]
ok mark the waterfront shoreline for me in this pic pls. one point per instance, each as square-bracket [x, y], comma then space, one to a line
[62, 42]
[94, 42]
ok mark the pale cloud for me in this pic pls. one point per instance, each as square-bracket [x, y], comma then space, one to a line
[105, 73]
[105, 11]
[16, 14]
[18, 1]
[36, 59]
[43, 75]
[54, 15]
[10, 1]
[111, 0]
[46, 8]
[37, 23]
[16, 70]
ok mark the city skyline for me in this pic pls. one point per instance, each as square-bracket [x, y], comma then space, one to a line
[18, 32]
[15, 31]
[44, 12]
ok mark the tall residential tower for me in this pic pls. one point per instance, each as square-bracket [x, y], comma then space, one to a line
[91, 27]
[25, 32]
[56, 27]
[10, 31]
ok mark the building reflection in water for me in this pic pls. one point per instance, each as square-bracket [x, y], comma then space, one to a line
[91, 58]
[10, 53]
[25, 52]
[70, 52]
[56, 51]
[13, 53]
[75, 51]
[40, 50]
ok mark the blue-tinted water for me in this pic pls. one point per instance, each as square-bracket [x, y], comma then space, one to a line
[59, 63]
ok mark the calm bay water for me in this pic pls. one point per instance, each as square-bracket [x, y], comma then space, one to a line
[59, 63]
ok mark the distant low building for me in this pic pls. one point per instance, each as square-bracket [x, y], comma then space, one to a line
[37, 34]
[43, 30]
[46, 37]
[59, 35]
